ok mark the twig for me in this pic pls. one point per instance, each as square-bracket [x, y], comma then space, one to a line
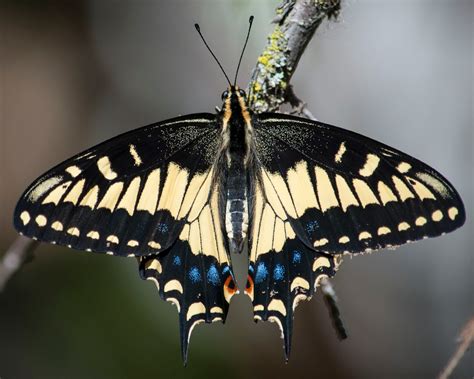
[296, 23]
[330, 298]
[20, 252]
[466, 337]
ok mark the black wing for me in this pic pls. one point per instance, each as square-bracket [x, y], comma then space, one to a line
[151, 193]
[130, 195]
[322, 191]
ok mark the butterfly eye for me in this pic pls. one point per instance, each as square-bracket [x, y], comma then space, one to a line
[242, 93]
[224, 95]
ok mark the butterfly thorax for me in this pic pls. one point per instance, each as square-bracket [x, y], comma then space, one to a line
[236, 137]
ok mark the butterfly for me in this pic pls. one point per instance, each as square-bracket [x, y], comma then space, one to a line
[182, 195]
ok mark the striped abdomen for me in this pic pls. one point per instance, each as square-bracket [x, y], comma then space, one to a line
[236, 214]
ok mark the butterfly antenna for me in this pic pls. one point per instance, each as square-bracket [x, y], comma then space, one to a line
[208, 48]
[243, 50]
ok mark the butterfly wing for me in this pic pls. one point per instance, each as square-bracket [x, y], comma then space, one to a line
[129, 195]
[322, 191]
[195, 273]
[150, 193]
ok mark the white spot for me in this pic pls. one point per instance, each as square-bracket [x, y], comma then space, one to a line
[403, 226]
[136, 158]
[132, 243]
[370, 165]
[25, 217]
[340, 153]
[41, 220]
[453, 212]
[420, 221]
[404, 167]
[434, 183]
[57, 226]
[364, 235]
[437, 215]
[73, 171]
[73, 231]
[103, 164]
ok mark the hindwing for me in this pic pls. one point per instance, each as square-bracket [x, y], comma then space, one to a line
[131, 195]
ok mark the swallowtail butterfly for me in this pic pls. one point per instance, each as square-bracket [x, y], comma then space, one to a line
[181, 195]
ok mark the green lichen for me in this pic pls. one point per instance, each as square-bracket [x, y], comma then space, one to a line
[270, 82]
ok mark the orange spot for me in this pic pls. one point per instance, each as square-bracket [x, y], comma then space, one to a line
[249, 287]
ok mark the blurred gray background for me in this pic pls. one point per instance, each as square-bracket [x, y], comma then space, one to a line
[76, 73]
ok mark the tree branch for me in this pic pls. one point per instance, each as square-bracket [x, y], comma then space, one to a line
[466, 337]
[296, 22]
[20, 252]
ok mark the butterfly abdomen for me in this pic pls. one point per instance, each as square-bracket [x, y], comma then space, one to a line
[236, 207]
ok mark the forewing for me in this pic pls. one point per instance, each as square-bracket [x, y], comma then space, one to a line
[130, 195]
[343, 192]
[195, 272]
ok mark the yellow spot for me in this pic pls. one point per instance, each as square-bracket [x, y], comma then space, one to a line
[150, 192]
[402, 189]
[370, 165]
[404, 167]
[421, 190]
[344, 239]
[42, 187]
[57, 226]
[340, 153]
[258, 308]
[321, 242]
[453, 212]
[173, 285]
[154, 245]
[103, 164]
[403, 226]
[25, 217]
[132, 243]
[73, 171]
[93, 234]
[137, 161]
[112, 239]
[364, 235]
[278, 306]
[41, 220]
[74, 231]
[301, 188]
[321, 262]
[299, 282]
[195, 309]
[217, 310]
[154, 264]
[437, 216]
[91, 197]
[383, 230]
[111, 196]
[173, 189]
[420, 221]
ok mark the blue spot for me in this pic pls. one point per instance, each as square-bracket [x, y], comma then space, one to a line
[162, 228]
[262, 273]
[312, 226]
[213, 276]
[278, 272]
[225, 269]
[251, 269]
[194, 274]
[296, 257]
[177, 261]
